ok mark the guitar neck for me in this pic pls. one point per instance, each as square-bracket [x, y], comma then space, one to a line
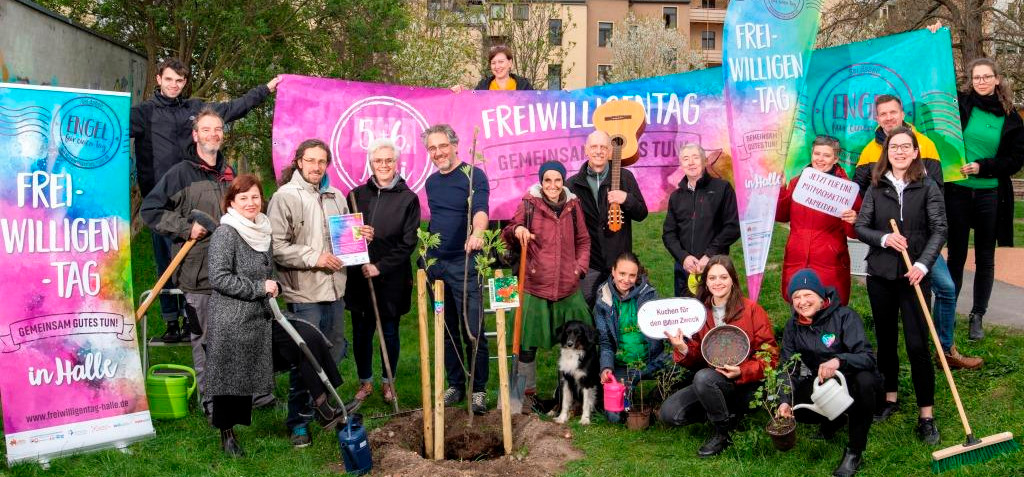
[616, 166]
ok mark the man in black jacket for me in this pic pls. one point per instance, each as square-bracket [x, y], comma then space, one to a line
[592, 185]
[162, 129]
[702, 220]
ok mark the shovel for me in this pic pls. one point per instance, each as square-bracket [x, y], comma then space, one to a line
[518, 383]
[210, 225]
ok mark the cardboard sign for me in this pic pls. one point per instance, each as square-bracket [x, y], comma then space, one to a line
[671, 314]
[825, 192]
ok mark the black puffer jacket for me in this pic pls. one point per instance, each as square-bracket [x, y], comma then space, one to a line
[162, 129]
[394, 214]
[703, 221]
[605, 245]
[190, 184]
[835, 332]
[522, 84]
[920, 215]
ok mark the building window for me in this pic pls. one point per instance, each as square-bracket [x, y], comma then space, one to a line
[497, 11]
[604, 74]
[707, 40]
[604, 33]
[555, 77]
[521, 12]
[671, 17]
[707, 3]
[555, 31]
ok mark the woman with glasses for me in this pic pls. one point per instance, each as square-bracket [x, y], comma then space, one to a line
[818, 240]
[901, 190]
[994, 146]
[393, 211]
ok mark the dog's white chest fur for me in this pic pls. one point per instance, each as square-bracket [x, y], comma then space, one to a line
[569, 363]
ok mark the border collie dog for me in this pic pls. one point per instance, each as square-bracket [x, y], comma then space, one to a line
[578, 370]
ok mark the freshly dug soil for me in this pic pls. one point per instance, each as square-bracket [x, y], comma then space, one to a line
[539, 448]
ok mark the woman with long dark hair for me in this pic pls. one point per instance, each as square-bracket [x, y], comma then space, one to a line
[719, 394]
[994, 146]
[902, 191]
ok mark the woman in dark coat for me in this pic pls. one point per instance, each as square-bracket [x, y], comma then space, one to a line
[551, 219]
[901, 190]
[829, 337]
[393, 211]
[994, 145]
[501, 77]
[818, 240]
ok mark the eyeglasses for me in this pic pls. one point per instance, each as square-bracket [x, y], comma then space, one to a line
[439, 147]
[315, 162]
[982, 78]
[901, 147]
[381, 162]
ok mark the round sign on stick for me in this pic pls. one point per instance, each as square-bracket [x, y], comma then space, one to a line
[671, 314]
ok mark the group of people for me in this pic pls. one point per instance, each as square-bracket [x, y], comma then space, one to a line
[578, 268]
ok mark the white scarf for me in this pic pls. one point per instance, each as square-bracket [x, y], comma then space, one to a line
[256, 234]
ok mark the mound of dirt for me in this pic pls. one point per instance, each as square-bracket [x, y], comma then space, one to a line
[539, 448]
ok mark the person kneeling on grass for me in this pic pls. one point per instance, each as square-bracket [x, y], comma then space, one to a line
[830, 337]
[719, 394]
[619, 337]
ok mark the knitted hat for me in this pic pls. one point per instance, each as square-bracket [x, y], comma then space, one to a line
[551, 166]
[806, 279]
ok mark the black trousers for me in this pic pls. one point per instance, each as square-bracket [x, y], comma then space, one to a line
[891, 299]
[968, 208]
[711, 397]
[230, 411]
[863, 387]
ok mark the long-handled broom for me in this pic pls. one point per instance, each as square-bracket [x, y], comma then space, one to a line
[973, 450]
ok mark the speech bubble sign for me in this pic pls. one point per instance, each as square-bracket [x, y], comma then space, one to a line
[670, 314]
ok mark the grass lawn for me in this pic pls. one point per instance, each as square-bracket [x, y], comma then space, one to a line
[992, 396]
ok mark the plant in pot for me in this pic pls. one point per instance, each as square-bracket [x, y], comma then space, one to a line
[637, 418]
[769, 397]
[667, 379]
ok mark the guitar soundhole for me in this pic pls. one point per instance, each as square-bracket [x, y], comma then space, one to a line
[618, 141]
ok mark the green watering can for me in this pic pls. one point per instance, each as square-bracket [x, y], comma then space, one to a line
[168, 390]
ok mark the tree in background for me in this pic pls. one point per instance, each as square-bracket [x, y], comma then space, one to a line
[437, 48]
[535, 30]
[645, 48]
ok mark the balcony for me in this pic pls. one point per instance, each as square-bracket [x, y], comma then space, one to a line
[712, 57]
[707, 15]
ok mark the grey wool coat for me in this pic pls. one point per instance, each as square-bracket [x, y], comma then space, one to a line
[239, 361]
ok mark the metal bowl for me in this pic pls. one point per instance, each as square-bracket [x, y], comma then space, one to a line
[725, 345]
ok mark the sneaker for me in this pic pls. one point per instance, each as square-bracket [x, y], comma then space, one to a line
[480, 403]
[364, 391]
[453, 396]
[887, 410]
[387, 392]
[955, 360]
[975, 332]
[173, 333]
[327, 416]
[926, 430]
[300, 437]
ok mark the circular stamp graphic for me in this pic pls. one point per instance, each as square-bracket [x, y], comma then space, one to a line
[784, 9]
[373, 118]
[90, 133]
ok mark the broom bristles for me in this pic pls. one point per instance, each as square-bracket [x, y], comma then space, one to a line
[987, 448]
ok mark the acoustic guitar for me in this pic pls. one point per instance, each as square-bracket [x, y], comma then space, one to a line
[623, 120]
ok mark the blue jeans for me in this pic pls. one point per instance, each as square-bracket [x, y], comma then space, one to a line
[170, 305]
[450, 272]
[329, 316]
[944, 306]
[682, 282]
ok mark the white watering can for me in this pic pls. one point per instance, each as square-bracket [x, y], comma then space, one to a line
[829, 399]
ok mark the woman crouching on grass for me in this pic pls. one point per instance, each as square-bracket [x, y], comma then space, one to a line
[719, 394]
[619, 337]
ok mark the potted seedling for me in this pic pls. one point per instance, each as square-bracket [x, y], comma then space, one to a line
[769, 397]
[638, 418]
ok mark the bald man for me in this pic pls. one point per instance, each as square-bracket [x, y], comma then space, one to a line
[592, 185]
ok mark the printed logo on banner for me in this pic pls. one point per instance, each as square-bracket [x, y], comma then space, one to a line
[373, 118]
[784, 9]
[90, 133]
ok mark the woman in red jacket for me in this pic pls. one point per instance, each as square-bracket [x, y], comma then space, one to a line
[551, 219]
[719, 394]
[818, 240]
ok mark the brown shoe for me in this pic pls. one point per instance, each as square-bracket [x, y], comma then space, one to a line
[364, 391]
[387, 391]
[959, 361]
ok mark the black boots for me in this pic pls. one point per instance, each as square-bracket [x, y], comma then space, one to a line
[174, 333]
[719, 440]
[974, 331]
[849, 465]
[229, 443]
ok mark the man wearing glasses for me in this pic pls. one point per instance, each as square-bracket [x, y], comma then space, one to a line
[312, 278]
[447, 192]
[889, 114]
